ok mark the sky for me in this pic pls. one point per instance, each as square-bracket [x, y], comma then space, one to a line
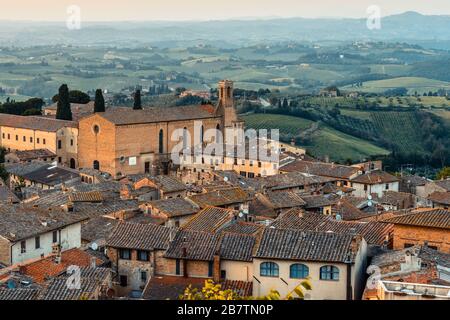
[149, 10]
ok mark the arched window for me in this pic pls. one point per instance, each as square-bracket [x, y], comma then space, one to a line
[269, 269]
[299, 271]
[185, 138]
[96, 165]
[161, 141]
[218, 134]
[329, 273]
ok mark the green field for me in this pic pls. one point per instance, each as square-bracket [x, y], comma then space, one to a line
[325, 141]
[413, 84]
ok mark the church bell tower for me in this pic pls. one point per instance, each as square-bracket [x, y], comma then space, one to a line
[226, 108]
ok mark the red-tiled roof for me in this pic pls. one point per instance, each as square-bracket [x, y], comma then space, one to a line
[431, 219]
[45, 268]
[34, 123]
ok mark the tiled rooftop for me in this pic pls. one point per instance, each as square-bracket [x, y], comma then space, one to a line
[291, 244]
[210, 219]
[34, 122]
[431, 219]
[140, 236]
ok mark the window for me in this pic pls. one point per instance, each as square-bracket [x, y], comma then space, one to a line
[235, 162]
[38, 141]
[186, 143]
[9, 136]
[59, 144]
[408, 245]
[251, 175]
[3, 135]
[125, 254]
[259, 164]
[123, 281]
[223, 274]
[365, 187]
[329, 273]
[143, 255]
[37, 243]
[269, 269]
[96, 129]
[23, 247]
[96, 165]
[24, 139]
[243, 174]
[144, 276]
[17, 137]
[71, 142]
[55, 236]
[210, 268]
[43, 141]
[161, 141]
[387, 186]
[31, 139]
[299, 271]
[178, 267]
[433, 248]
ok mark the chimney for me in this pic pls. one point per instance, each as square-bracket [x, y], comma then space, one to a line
[93, 262]
[68, 207]
[216, 268]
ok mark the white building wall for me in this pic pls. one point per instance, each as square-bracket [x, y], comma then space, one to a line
[321, 289]
[70, 238]
[375, 188]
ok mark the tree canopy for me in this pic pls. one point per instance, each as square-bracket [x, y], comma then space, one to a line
[75, 96]
[63, 111]
[137, 100]
[99, 104]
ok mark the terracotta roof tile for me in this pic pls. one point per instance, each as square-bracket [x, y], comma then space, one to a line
[440, 197]
[198, 245]
[221, 197]
[46, 268]
[375, 177]
[289, 244]
[210, 219]
[431, 219]
[321, 169]
[161, 114]
[34, 123]
[140, 236]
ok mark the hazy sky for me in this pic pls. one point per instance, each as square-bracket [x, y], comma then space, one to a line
[109, 10]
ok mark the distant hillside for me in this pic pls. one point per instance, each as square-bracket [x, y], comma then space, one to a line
[320, 142]
[429, 31]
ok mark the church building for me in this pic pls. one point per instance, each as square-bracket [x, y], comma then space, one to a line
[125, 141]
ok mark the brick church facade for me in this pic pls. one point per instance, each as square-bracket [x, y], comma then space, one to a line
[125, 141]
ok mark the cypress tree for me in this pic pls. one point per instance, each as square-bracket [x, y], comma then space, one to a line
[137, 100]
[63, 111]
[99, 104]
